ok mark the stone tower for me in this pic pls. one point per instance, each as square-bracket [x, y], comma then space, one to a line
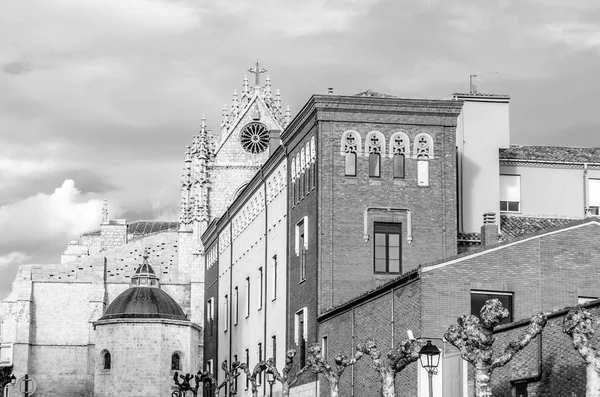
[217, 168]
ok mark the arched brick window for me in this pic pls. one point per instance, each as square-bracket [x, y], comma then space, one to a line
[350, 147]
[374, 147]
[423, 150]
[399, 149]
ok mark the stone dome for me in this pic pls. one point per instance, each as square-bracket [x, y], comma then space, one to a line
[144, 302]
[144, 298]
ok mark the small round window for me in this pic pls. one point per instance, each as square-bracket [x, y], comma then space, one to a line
[255, 138]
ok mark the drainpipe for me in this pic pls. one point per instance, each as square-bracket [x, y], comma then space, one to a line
[265, 266]
[585, 189]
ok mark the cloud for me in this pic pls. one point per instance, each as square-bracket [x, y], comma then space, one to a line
[13, 258]
[42, 219]
[297, 18]
[576, 35]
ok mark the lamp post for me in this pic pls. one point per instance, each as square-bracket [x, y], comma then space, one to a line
[271, 380]
[430, 358]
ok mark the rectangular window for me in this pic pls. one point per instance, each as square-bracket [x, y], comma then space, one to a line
[294, 192]
[237, 302]
[248, 364]
[274, 345]
[510, 193]
[314, 183]
[478, 299]
[350, 160]
[399, 166]
[594, 196]
[324, 347]
[260, 354]
[274, 278]
[423, 172]
[210, 316]
[260, 288]
[585, 299]
[247, 296]
[374, 165]
[387, 248]
[209, 366]
[302, 253]
[300, 334]
[226, 311]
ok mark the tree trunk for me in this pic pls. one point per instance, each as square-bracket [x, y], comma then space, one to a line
[482, 382]
[285, 390]
[333, 386]
[592, 388]
[388, 387]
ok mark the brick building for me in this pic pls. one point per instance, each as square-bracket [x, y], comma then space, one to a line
[543, 271]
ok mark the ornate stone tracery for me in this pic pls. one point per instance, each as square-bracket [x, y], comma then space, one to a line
[423, 146]
[351, 142]
[399, 144]
[374, 143]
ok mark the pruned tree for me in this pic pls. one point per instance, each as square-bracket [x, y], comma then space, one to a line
[208, 378]
[258, 369]
[578, 324]
[394, 361]
[318, 365]
[475, 338]
[185, 385]
[287, 381]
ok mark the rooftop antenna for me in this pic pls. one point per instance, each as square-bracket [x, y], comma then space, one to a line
[472, 86]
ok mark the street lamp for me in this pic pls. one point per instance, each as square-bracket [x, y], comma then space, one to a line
[430, 358]
[271, 380]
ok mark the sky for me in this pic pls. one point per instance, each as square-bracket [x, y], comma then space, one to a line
[98, 98]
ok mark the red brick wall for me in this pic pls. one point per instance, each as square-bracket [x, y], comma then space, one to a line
[563, 371]
[386, 319]
[545, 273]
[302, 293]
[347, 260]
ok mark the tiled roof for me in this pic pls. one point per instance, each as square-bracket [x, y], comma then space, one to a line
[553, 154]
[140, 228]
[517, 226]
[92, 233]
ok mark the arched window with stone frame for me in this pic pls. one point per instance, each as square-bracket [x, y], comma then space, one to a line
[399, 150]
[350, 147]
[106, 360]
[308, 167]
[423, 151]
[293, 177]
[374, 147]
[298, 177]
[176, 361]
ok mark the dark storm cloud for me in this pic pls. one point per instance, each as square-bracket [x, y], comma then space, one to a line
[113, 105]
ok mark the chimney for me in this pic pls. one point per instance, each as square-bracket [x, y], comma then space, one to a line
[274, 141]
[489, 230]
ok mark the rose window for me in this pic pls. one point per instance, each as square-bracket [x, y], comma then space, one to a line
[255, 138]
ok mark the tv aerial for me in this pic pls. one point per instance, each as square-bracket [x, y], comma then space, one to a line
[472, 86]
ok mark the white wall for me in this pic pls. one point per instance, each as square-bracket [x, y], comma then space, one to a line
[483, 128]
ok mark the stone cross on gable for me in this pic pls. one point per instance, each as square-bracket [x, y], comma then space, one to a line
[257, 70]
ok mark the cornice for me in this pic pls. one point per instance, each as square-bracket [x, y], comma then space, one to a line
[548, 164]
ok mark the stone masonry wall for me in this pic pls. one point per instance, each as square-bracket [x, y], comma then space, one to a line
[141, 352]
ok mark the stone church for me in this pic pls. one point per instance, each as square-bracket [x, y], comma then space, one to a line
[124, 308]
